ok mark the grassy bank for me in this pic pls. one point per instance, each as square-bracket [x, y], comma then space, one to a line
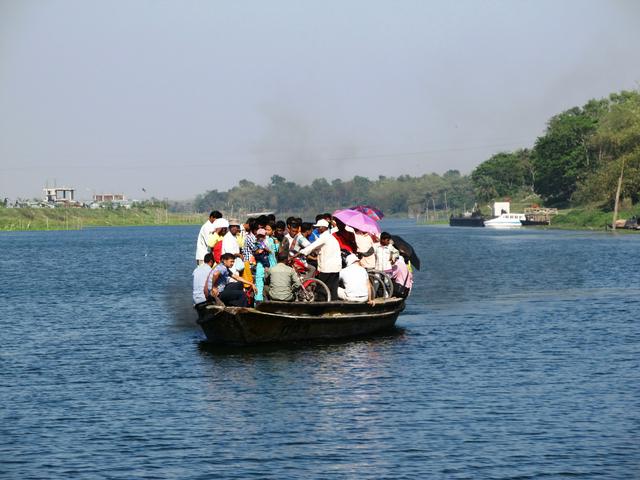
[589, 218]
[78, 218]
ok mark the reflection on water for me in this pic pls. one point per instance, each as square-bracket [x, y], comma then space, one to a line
[516, 357]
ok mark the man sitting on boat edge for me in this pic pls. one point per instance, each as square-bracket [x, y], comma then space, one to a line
[230, 293]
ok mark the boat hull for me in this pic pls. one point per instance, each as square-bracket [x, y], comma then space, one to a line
[275, 322]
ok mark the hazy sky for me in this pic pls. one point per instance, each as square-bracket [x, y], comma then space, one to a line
[180, 97]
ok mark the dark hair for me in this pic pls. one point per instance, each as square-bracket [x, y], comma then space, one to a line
[271, 217]
[290, 219]
[208, 257]
[215, 214]
[283, 256]
[263, 220]
[305, 227]
[385, 236]
[253, 224]
[281, 224]
[320, 216]
[327, 216]
[299, 220]
[294, 224]
[226, 256]
[272, 225]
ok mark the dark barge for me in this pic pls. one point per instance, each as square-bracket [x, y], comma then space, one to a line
[273, 322]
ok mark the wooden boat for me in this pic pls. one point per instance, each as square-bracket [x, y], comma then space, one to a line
[297, 321]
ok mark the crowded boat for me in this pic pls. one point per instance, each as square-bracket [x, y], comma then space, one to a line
[339, 257]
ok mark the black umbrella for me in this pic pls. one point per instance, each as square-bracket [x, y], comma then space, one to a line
[406, 250]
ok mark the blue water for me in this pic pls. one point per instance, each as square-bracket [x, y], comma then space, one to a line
[518, 357]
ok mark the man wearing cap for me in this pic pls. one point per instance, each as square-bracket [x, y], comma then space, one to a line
[231, 244]
[355, 281]
[214, 241]
[201, 245]
[329, 259]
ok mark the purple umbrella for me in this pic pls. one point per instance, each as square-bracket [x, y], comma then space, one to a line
[369, 211]
[358, 220]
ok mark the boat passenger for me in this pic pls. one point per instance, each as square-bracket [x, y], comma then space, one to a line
[355, 280]
[283, 280]
[366, 252]
[386, 254]
[231, 243]
[301, 241]
[201, 244]
[261, 254]
[329, 258]
[402, 278]
[230, 293]
[221, 227]
[202, 280]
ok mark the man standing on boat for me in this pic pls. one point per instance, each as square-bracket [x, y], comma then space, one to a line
[329, 258]
[207, 229]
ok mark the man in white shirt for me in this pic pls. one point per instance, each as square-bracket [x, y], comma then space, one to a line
[386, 254]
[230, 244]
[329, 258]
[202, 279]
[355, 281]
[207, 229]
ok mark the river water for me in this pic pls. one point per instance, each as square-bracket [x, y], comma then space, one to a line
[518, 356]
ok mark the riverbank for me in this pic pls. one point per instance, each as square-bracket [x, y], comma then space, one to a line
[17, 219]
[572, 219]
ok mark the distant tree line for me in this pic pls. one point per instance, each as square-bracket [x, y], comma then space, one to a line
[583, 155]
[393, 195]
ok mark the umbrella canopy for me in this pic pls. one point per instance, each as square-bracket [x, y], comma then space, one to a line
[369, 211]
[406, 250]
[358, 220]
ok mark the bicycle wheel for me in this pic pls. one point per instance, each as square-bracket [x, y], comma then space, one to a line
[311, 288]
[381, 283]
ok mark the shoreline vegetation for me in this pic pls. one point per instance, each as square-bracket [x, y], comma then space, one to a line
[34, 219]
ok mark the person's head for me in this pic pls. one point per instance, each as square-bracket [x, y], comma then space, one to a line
[260, 234]
[322, 225]
[227, 259]
[283, 256]
[339, 224]
[214, 214]
[269, 229]
[253, 225]
[351, 259]
[208, 259]
[327, 217]
[271, 217]
[263, 220]
[247, 225]
[280, 227]
[385, 239]
[289, 220]
[320, 216]
[223, 231]
[305, 229]
[234, 227]
[294, 228]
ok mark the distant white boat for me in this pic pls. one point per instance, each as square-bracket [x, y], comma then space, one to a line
[506, 220]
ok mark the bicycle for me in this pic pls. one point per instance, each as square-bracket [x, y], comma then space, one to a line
[310, 286]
